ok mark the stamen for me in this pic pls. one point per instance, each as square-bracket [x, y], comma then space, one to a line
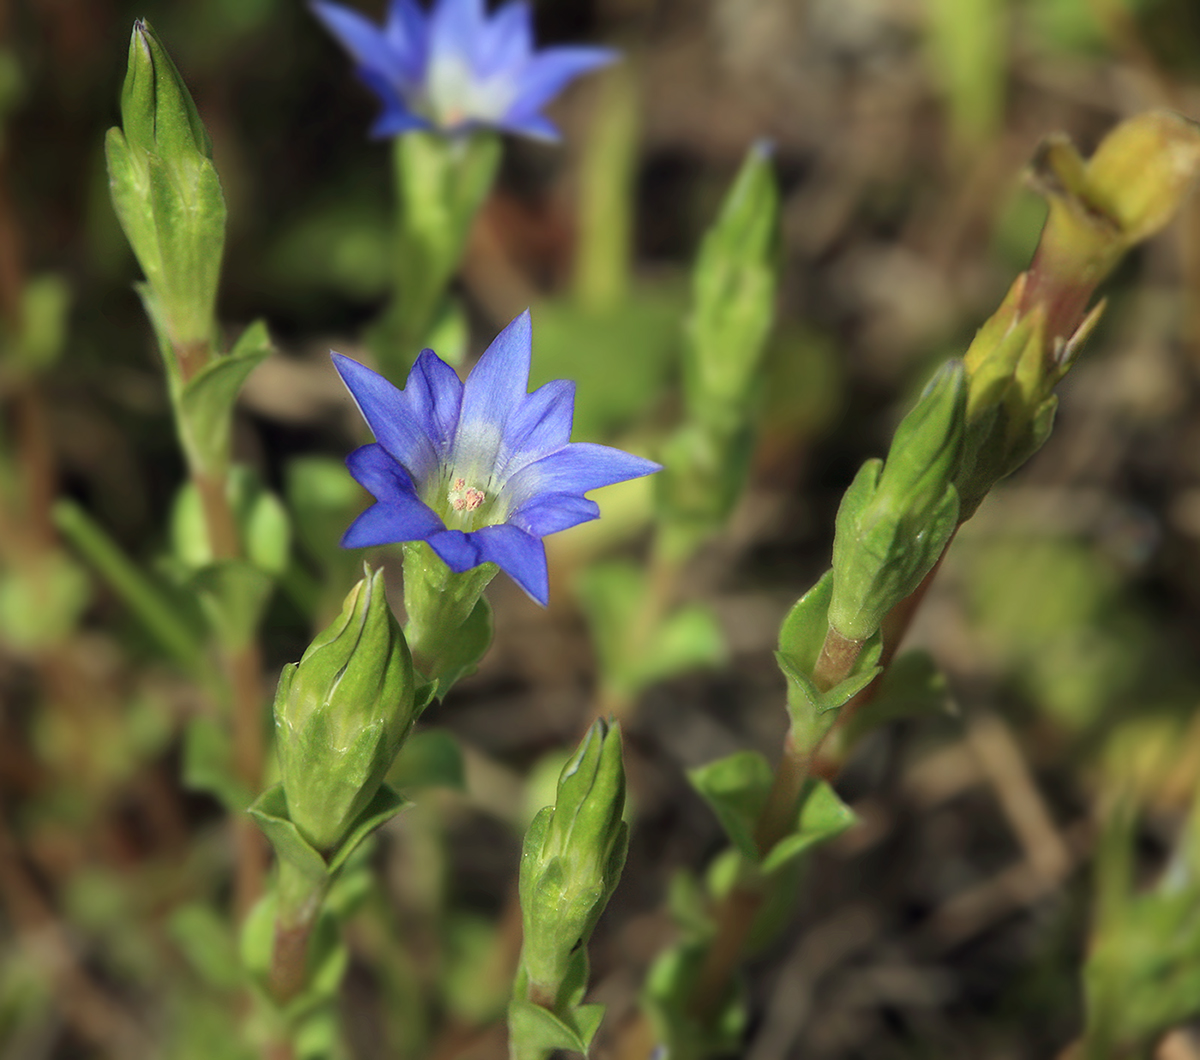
[464, 498]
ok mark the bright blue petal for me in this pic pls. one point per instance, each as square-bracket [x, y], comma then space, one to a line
[548, 514]
[540, 425]
[549, 72]
[507, 42]
[360, 37]
[402, 518]
[396, 116]
[454, 28]
[457, 549]
[434, 394]
[375, 469]
[407, 35]
[493, 392]
[577, 468]
[397, 120]
[534, 126]
[405, 436]
[520, 555]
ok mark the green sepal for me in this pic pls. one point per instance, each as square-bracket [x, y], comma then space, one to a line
[449, 627]
[896, 518]
[208, 764]
[269, 810]
[911, 687]
[736, 787]
[801, 636]
[613, 595]
[666, 997]
[207, 400]
[431, 758]
[535, 1032]
[823, 816]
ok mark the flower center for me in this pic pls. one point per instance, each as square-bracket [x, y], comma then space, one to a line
[464, 498]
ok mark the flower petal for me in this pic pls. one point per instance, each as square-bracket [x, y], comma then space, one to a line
[520, 555]
[548, 514]
[405, 435]
[434, 394]
[401, 518]
[407, 35]
[454, 28]
[374, 468]
[492, 393]
[457, 549]
[540, 425]
[549, 72]
[507, 42]
[359, 36]
[534, 126]
[576, 468]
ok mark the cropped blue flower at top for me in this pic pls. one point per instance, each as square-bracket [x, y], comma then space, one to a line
[482, 470]
[455, 69]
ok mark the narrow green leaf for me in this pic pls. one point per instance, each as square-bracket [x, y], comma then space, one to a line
[736, 787]
[823, 816]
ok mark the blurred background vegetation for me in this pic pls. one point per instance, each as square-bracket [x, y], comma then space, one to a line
[952, 922]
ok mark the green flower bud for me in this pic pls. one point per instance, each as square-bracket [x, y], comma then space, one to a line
[341, 714]
[572, 859]
[167, 195]
[896, 518]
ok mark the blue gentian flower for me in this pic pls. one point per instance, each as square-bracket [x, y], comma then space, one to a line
[455, 69]
[482, 470]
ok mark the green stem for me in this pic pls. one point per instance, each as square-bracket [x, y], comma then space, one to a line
[300, 899]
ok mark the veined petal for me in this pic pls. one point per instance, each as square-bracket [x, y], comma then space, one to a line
[434, 393]
[457, 550]
[519, 554]
[359, 36]
[576, 468]
[507, 42]
[407, 35]
[541, 425]
[534, 126]
[549, 72]
[492, 393]
[548, 514]
[406, 437]
[454, 28]
[400, 518]
[377, 471]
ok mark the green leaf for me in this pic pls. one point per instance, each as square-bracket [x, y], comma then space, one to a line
[633, 657]
[666, 999]
[736, 787]
[621, 358]
[205, 941]
[911, 687]
[208, 764]
[535, 1032]
[381, 809]
[430, 758]
[234, 594]
[206, 404]
[470, 644]
[801, 636]
[823, 816]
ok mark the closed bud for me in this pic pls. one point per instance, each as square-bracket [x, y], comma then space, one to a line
[341, 714]
[167, 197]
[895, 520]
[157, 111]
[573, 855]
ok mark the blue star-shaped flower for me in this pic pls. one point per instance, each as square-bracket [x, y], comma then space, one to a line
[482, 470]
[455, 69]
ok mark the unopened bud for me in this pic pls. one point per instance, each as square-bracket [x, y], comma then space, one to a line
[895, 520]
[341, 714]
[573, 855]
